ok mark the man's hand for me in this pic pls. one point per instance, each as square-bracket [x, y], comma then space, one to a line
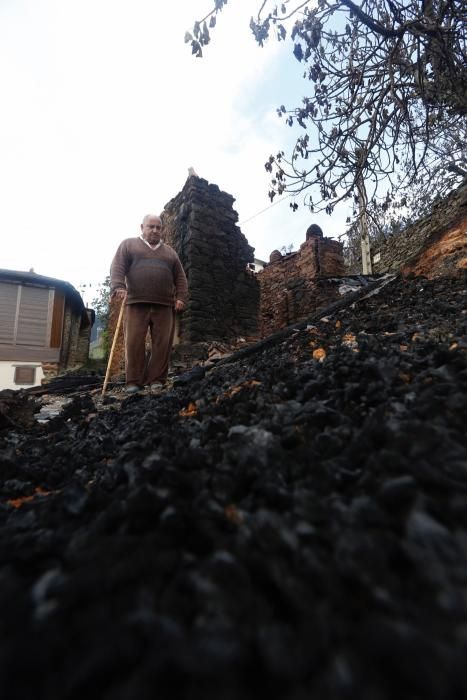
[179, 305]
[118, 294]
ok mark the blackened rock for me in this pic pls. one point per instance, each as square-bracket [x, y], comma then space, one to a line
[155, 464]
[271, 532]
[133, 447]
[250, 444]
[458, 509]
[281, 652]
[421, 527]
[194, 375]
[109, 399]
[364, 511]
[111, 519]
[22, 519]
[44, 591]
[398, 494]
[291, 437]
[75, 499]
[14, 488]
[8, 463]
[172, 522]
[143, 508]
[403, 659]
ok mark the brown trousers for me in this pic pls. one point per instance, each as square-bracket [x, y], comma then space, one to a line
[160, 321]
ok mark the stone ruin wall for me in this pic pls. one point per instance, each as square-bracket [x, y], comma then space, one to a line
[434, 246]
[201, 225]
[445, 256]
[293, 286]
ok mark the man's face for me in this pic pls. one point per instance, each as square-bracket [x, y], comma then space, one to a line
[152, 229]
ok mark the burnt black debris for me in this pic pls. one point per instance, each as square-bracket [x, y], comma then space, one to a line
[69, 383]
[292, 524]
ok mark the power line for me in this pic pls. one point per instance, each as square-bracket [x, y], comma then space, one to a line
[278, 201]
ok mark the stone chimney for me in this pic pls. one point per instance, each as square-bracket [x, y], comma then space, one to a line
[201, 225]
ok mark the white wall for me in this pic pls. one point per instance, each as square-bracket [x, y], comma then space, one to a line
[7, 375]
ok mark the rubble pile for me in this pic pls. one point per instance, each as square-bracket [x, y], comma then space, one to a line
[291, 523]
[16, 410]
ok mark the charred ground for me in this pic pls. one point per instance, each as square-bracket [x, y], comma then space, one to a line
[293, 524]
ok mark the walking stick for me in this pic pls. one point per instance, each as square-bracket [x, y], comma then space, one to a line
[114, 341]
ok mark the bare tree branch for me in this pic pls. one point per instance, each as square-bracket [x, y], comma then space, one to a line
[387, 79]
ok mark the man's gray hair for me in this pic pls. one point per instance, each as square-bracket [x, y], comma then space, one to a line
[148, 216]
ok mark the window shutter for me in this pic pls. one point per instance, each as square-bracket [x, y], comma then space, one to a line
[25, 375]
[8, 300]
[33, 317]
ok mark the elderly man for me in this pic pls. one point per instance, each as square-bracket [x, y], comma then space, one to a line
[149, 274]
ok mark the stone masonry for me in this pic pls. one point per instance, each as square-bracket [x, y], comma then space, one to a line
[201, 225]
[293, 286]
[76, 337]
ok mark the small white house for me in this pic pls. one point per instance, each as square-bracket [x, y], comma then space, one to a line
[257, 265]
[44, 328]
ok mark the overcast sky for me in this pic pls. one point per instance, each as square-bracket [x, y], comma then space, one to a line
[103, 111]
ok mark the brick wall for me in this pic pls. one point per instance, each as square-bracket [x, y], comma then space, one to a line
[292, 286]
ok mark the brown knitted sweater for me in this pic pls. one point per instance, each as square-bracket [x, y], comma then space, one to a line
[149, 276]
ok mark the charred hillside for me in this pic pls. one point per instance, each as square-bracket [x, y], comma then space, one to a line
[292, 524]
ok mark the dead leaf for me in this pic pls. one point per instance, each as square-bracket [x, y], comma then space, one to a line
[454, 346]
[319, 354]
[406, 378]
[403, 348]
[349, 339]
[189, 411]
[338, 324]
[236, 389]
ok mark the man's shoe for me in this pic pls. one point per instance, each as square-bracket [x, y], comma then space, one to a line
[131, 389]
[156, 386]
